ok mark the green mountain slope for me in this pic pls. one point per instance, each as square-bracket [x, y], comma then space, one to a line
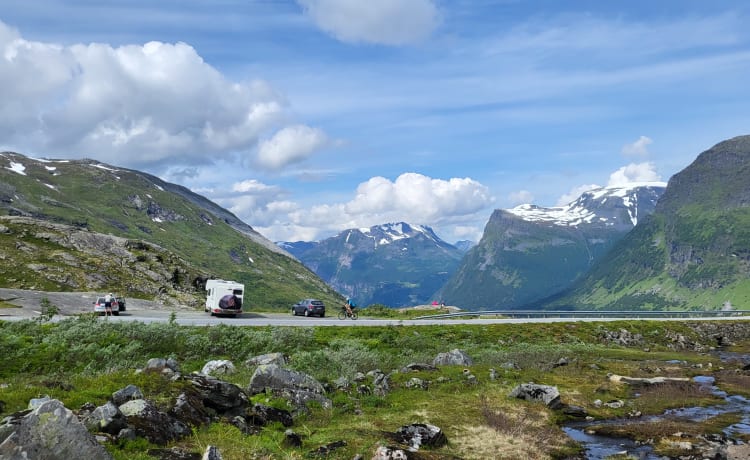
[82, 225]
[693, 252]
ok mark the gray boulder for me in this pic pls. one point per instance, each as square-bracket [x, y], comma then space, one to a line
[48, 432]
[217, 394]
[150, 423]
[189, 408]
[454, 357]
[390, 453]
[547, 394]
[274, 378]
[126, 394]
[162, 365]
[417, 435]
[218, 367]
[105, 419]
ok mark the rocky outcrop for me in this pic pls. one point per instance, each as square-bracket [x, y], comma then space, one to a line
[48, 432]
[454, 357]
[546, 394]
[149, 422]
[296, 387]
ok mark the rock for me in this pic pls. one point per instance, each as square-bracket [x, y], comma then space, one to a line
[217, 394]
[126, 394]
[646, 380]
[189, 408]
[292, 439]
[493, 374]
[359, 377]
[415, 367]
[325, 451]
[381, 384]
[342, 383]
[417, 383]
[417, 435]
[561, 362]
[574, 411]
[549, 395]
[211, 453]
[454, 357]
[389, 453]
[623, 337]
[615, 404]
[48, 432]
[152, 424]
[105, 419]
[218, 367]
[272, 377]
[269, 358]
[261, 415]
[162, 365]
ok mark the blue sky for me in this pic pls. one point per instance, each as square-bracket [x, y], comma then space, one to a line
[308, 117]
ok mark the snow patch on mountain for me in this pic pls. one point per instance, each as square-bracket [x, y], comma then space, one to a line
[583, 210]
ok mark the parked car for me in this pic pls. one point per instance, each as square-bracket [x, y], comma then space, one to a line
[120, 303]
[309, 307]
[99, 306]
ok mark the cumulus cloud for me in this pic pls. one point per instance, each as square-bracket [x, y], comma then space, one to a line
[385, 22]
[136, 105]
[638, 148]
[291, 144]
[521, 197]
[634, 172]
[411, 197]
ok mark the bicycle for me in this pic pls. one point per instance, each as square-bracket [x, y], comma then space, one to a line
[343, 314]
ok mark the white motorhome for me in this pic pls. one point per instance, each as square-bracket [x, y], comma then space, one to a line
[224, 297]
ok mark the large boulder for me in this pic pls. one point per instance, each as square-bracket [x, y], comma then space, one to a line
[454, 357]
[218, 367]
[547, 394]
[275, 378]
[126, 394]
[105, 419]
[48, 432]
[150, 423]
[219, 395]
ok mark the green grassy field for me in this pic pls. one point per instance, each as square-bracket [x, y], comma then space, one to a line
[84, 360]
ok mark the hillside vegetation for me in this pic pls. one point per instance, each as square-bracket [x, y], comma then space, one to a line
[86, 226]
[693, 252]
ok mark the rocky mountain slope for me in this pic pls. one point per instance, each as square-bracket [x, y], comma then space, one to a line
[693, 252]
[86, 226]
[395, 264]
[529, 252]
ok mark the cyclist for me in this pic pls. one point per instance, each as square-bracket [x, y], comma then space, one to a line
[348, 306]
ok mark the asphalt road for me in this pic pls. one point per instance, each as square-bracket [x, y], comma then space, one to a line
[27, 304]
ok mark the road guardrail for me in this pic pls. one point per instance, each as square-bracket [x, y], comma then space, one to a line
[625, 314]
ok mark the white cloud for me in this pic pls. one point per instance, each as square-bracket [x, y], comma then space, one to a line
[634, 172]
[521, 197]
[290, 145]
[574, 193]
[385, 22]
[135, 105]
[637, 148]
[412, 197]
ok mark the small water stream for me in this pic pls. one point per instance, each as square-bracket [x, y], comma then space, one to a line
[600, 447]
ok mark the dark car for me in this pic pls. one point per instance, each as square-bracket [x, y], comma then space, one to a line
[309, 307]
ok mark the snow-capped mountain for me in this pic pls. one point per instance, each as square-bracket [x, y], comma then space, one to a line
[531, 252]
[395, 264]
[617, 207]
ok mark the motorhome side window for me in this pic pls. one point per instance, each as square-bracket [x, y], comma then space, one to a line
[237, 292]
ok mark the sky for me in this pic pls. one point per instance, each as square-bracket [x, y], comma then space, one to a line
[308, 117]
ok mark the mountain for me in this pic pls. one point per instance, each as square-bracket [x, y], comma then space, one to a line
[530, 252]
[464, 245]
[82, 225]
[692, 252]
[395, 264]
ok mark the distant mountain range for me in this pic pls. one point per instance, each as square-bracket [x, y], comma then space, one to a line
[395, 264]
[692, 252]
[82, 225]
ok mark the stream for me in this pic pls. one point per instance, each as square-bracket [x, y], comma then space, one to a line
[599, 447]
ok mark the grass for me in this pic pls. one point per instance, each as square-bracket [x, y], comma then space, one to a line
[85, 360]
